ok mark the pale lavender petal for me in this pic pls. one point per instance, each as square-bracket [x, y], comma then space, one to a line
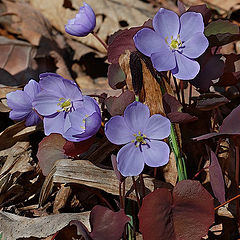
[166, 23]
[136, 115]
[148, 41]
[191, 23]
[195, 46]
[77, 30]
[157, 127]
[32, 119]
[52, 82]
[90, 105]
[19, 100]
[157, 155]
[130, 161]
[18, 115]
[186, 68]
[163, 60]
[54, 124]
[46, 103]
[92, 125]
[71, 90]
[32, 89]
[117, 131]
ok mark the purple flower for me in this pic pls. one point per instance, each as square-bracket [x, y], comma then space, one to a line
[21, 104]
[141, 134]
[84, 122]
[83, 23]
[58, 98]
[174, 42]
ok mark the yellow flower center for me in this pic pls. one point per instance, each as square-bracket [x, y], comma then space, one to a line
[175, 43]
[140, 139]
[65, 104]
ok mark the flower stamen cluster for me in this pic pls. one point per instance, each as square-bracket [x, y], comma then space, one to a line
[65, 104]
[140, 140]
[175, 44]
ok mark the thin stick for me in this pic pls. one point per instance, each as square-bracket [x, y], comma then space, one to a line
[123, 193]
[142, 184]
[120, 194]
[100, 40]
[237, 177]
[136, 191]
[230, 200]
[190, 94]
[182, 92]
[155, 172]
[177, 88]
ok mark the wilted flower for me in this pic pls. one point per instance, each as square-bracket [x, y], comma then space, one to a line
[141, 134]
[174, 42]
[21, 104]
[84, 122]
[83, 23]
[57, 99]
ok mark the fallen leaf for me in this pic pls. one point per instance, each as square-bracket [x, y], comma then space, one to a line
[50, 149]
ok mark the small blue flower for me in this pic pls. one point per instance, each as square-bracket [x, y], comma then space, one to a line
[21, 104]
[141, 134]
[174, 43]
[83, 23]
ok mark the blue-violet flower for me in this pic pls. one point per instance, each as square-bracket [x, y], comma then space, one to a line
[84, 122]
[83, 23]
[141, 134]
[57, 99]
[174, 42]
[21, 104]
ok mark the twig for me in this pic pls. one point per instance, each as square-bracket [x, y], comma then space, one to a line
[136, 191]
[230, 200]
[142, 184]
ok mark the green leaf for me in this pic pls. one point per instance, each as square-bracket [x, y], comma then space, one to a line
[221, 27]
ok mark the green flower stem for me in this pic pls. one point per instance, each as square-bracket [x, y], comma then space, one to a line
[173, 141]
[181, 168]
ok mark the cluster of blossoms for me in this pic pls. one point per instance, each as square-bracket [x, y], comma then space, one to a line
[60, 103]
[172, 44]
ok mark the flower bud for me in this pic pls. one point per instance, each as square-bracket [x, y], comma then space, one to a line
[83, 23]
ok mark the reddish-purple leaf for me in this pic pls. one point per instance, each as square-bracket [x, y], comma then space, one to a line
[173, 109]
[120, 42]
[184, 214]
[117, 105]
[181, 7]
[106, 224]
[216, 178]
[116, 76]
[211, 69]
[119, 176]
[230, 126]
[73, 149]
[231, 74]
[210, 101]
[206, 12]
[50, 149]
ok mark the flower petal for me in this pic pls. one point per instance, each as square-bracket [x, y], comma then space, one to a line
[32, 119]
[166, 23]
[191, 23]
[18, 115]
[54, 124]
[51, 82]
[157, 127]
[195, 46]
[46, 103]
[186, 68]
[148, 41]
[130, 160]
[163, 60]
[32, 89]
[19, 100]
[136, 115]
[157, 155]
[117, 131]
[71, 90]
